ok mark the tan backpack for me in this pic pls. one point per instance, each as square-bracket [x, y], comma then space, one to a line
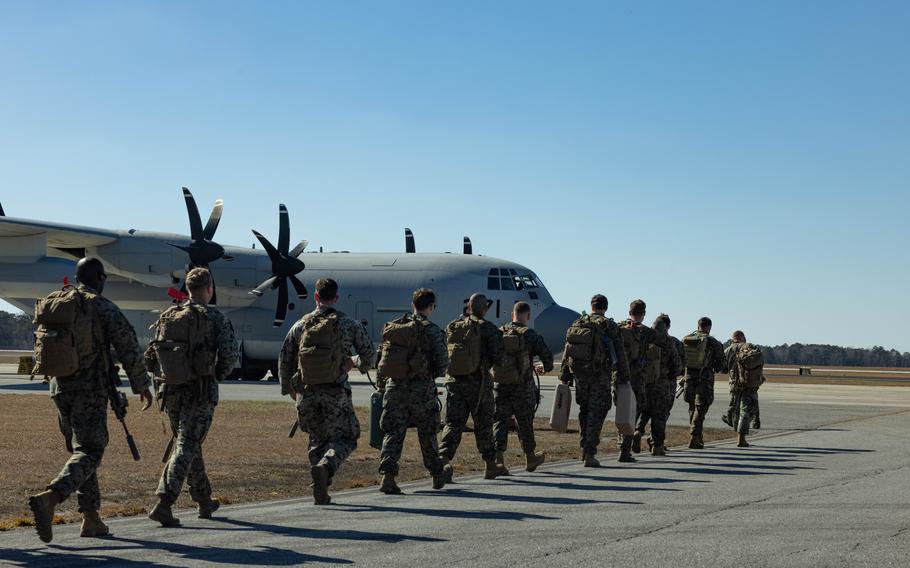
[696, 347]
[180, 351]
[584, 342]
[403, 354]
[751, 363]
[321, 354]
[463, 342]
[516, 361]
[67, 339]
[651, 371]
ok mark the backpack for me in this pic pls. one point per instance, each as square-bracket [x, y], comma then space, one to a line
[516, 361]
[751, 363]
[585, 342]
[66, 340]
[321, 351]
[463, 342]
[651, 371]
[696, 347]
[403, 354]
[636, 352]
[179, 346]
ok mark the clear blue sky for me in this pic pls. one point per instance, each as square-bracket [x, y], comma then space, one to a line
[749, 161]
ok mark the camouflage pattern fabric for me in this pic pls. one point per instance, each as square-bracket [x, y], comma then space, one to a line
[661, 394]
[520, 399]
[83, 420]
[326, 413]
[636, 368]
[354, 338]
[413, 401]
[681, 353]
[699, 392]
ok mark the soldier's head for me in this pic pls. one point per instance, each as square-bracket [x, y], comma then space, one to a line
[738, 337]
[200, 285]
[664, 318]
[660, 328]
[599, 304]
[90, 271]
[521, 313]
[704, 324]
[423, 302]
[637, 310]
[478, 304]
[326, 292]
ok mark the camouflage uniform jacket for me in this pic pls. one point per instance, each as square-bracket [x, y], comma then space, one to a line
[354, 339]
[671, 365]
[434, 349]
[716, 360]
[536, 348]
[680, 351]
[491, 349]
[731, 353]
[619, 368]
[646, 337]
[116, 334]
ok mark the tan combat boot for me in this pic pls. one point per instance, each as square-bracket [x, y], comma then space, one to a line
[591, 461]
[742, 442]
[389, 487]
[501, 469]
[93, 526]
[208, 506]
[447, 470]
[162, 513]
[658, 450]
[320, 475]
[533, 460]
[491, 470]
[42, 506]
[439, 479]
[636, 442]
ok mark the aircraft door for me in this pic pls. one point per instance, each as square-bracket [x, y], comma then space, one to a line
[363, 312]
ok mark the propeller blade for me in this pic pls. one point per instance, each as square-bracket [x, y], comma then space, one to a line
[281, 310]
[409, 246]
[181, 247]
[2, 214]
[468, 248]
[193, 213]
[299, 288]
[272, 252]
[260, 290]
[227, 258]
[214, 219]
[296, 251]
[284, 229]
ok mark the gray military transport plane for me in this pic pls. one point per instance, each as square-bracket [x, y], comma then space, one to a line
[146, 269]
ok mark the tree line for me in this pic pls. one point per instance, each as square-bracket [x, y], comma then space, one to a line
[16, 331]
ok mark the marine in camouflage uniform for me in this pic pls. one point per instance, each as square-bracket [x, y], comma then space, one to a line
[514, 400]
[644, 337]
[743, 397]
[190, 408]
[82, 401]
[325, 411]
[593, 383]
[661, 393]
[472, 395]
[413, 402]
[699, 385]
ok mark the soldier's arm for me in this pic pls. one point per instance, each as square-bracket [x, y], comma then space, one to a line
[622, 361]
[122, 338]
[287, 359]
[720, 361]
[439, 354]
[226, 346]
[565, 372]
[493, 343]
[539, 349]
[363, 345]
[380, 379]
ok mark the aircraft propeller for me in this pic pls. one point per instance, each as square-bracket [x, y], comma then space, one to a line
[202, 249]
[285, 266]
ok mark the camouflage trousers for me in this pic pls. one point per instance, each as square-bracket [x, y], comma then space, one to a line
[468, 396]
[82, 415]
[326, 412]
[594, 398]
[405, 403]
[660, 400]
[743, 409]
[699, 395]
[190, 416]
[508, 401]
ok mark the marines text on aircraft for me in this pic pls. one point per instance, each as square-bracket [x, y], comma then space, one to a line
[256, 288]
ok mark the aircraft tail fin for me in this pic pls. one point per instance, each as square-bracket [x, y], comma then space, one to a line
[409, 246]
[468, 247]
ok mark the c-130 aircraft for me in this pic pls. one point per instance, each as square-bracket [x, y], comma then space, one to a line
[252, 285]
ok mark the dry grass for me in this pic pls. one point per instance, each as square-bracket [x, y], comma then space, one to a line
[248, 456]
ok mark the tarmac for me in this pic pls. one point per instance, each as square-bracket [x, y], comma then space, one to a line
[823, 485]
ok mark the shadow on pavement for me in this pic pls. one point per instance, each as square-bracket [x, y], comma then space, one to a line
[468, 494]
[447, 513]
[587, 487]
[659, 480]
[340, 534]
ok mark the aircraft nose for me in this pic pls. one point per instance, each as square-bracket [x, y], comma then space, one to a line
[552, 324]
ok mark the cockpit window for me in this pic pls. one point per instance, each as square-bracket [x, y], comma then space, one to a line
[507, 283]
[494, 272]
[493, 282]
[528, 281]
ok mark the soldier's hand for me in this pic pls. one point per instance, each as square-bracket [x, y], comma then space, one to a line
[293, 396]
[538, 368]
[147, 399]
[348, 365]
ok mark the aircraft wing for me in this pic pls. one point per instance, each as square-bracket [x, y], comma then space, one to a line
[59, 235]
